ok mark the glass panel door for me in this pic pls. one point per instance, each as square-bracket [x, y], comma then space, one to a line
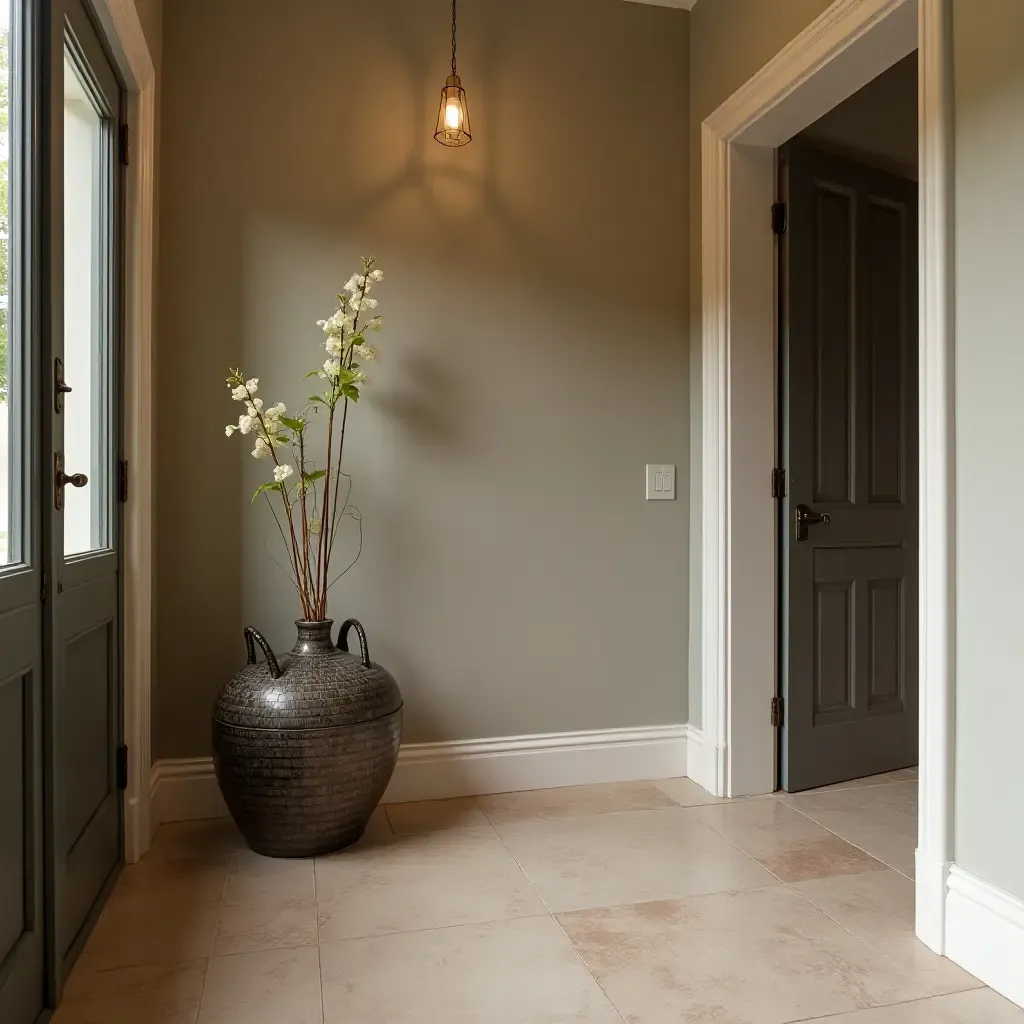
[22, 858]
[84, 552]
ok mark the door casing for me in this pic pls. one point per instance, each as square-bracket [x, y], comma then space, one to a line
[732, 752]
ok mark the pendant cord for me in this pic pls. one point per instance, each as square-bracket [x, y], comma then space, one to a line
[453, 37]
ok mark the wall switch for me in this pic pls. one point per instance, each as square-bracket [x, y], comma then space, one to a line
[661, 483]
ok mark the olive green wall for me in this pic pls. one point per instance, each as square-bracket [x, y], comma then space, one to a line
[730, 40]
[535, 354]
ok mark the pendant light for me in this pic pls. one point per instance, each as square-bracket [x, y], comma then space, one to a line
[453, 117]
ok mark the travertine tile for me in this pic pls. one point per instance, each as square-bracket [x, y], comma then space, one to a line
[879, 908]
[510, 972]
[134, 995]
[145, 929]
[760, 957]
[428, 880]
[268, 904]
[278, 986]
[787, 843]
[982, 1006]
[627, 857]
[881, 820]
[573, 802]
[687, 793]
[436, 815]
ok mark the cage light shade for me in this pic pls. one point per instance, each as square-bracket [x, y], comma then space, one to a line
[453, 115]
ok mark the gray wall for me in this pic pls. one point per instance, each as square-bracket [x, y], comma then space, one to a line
[989, 104]
[535, 355]
[877, 125]
[729, 41]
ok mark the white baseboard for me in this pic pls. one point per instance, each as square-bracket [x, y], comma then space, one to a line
[985, 932]
[930, 885]
[186, 790]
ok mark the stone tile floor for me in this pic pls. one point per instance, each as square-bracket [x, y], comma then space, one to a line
[643, 903]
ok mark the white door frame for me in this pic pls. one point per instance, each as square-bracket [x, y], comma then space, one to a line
[734, 751]
[119, 23]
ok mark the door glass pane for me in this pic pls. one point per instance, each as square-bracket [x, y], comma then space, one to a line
[11, 395]
[87, 231]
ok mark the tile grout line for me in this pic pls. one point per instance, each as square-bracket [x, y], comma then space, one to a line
[216, 932]
[844, 839]
[316, 917]
[867, 945]
[551, 916]
[868, 1009]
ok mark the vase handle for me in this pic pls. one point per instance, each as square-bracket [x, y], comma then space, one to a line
[250, 635]
[364, 649]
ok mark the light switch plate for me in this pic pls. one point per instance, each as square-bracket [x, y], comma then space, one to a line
[661, 483]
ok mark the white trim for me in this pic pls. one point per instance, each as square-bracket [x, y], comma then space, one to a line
[849, 44]
[187, 789]
[985, 932]
[936, 581]
[683, 5]
[123, 32]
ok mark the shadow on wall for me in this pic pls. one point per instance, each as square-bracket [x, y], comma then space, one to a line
[533, 358]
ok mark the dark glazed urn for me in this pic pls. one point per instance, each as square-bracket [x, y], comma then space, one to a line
[304, 746]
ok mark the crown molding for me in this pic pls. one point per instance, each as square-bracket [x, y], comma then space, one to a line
[682, 5]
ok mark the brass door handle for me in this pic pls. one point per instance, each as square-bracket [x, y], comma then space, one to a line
[62, 479]
[806, 517]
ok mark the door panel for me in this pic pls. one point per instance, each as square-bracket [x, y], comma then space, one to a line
[848, 395]
[84, 638]
[22, 859]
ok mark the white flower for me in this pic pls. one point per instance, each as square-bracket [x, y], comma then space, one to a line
[334, 345]
[281, 473]
[367, 352]
[261, 449]
[252, 384]
[355, 283]
[358, 377]
[229, 429]
[369, 303]
[375, 323]
[275, 412]
[254, 406]
[356, 303]
[332, 367]
[376, 275]
[239, 394]
[246, 423]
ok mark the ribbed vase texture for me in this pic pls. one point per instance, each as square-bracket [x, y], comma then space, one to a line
[303, 759]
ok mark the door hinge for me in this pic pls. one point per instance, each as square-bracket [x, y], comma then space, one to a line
[43, 589]
[122, 481]
[122, 144]
[778, 711]
[122, 767]
[778, 483]
[779, 218]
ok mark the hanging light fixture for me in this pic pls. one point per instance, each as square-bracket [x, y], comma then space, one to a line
[453, 117]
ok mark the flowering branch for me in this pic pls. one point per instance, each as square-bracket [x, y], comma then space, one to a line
[318, 514]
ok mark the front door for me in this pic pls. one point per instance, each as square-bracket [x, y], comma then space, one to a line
[83, 631]
[23, 928]
[848, 514]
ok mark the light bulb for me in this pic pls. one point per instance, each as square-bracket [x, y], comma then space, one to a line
[452, 116]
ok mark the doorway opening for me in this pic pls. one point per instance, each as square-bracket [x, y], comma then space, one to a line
[846, 225]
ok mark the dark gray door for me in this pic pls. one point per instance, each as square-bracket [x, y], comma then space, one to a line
[848, 390]
[83, 635]
[22, 857]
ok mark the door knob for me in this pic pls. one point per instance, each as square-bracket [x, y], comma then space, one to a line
[62, 479]
[806, 517]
